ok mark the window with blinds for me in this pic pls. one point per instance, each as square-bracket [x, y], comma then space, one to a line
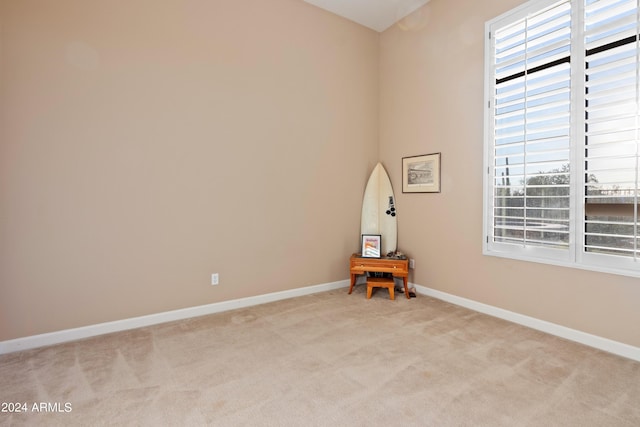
[562, 133]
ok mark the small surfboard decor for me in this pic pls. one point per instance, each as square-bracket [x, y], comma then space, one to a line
[379, 210]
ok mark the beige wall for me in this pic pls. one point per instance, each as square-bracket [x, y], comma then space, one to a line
[431, 100]
[147, 144]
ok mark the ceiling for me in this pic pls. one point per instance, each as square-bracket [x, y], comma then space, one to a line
[375, 14]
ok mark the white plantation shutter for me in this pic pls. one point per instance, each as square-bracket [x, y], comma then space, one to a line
[562, 142]
[531, 129]
[611, 128]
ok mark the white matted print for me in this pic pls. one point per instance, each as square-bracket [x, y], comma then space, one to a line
[421, 174]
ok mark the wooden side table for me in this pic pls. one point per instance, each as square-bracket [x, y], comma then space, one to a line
[397, 267]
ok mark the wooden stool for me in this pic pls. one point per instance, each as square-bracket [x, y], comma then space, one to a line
[380, 282]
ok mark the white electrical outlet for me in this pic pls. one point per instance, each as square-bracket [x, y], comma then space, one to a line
[214, 279]
[412, 263]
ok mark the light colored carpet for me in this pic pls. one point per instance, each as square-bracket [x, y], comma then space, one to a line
[328, 359]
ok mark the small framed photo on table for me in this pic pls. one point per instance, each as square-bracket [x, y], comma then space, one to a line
[371, 244]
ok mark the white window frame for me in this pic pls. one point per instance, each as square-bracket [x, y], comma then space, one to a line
[575, 256]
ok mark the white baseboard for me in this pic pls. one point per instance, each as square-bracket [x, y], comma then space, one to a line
[58, 337]
[66, 335]
[595, 341]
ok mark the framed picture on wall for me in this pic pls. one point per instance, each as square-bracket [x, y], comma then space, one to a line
[421, 174]
[371, 244]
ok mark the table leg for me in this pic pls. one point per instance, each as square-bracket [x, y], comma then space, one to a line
[406, 288]
[353, 282]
